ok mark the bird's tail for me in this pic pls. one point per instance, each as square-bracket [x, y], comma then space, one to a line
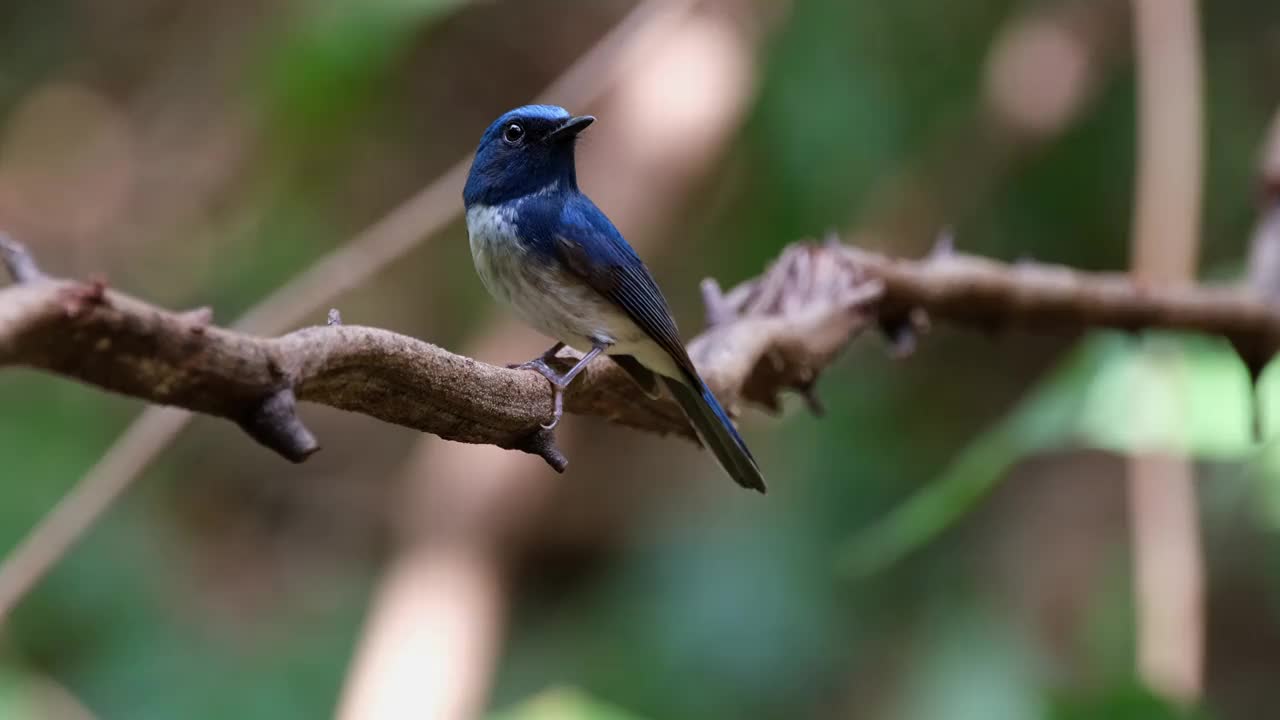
[716, 431]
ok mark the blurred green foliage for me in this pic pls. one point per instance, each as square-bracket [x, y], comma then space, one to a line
[1104, 396]
[563, 704]
[862, 586]
[1123, 702]
[331, 60]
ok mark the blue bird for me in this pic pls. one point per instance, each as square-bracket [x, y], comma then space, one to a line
[543, 248]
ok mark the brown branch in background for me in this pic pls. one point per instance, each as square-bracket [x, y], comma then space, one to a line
[450, 597]
[1168, 558]
[987, 294]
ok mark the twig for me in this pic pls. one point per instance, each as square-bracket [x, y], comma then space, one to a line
[991, 295]
[18, 261]
[1168, 559]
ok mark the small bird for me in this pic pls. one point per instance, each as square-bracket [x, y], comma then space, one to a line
[543, 248]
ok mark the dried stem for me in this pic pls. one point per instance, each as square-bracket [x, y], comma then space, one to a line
[987, 294]
[1168, 559]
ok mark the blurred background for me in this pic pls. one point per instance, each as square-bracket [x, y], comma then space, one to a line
[952, 538]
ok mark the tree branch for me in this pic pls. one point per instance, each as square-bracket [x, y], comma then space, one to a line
[768, 335]
[106, 338]
[991, 295]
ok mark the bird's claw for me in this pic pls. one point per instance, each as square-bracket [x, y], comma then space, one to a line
[558, 397]
[538, 364]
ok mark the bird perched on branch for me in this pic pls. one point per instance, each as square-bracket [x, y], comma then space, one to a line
[543, 248]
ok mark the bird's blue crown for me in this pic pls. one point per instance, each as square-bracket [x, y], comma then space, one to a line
[525, 151]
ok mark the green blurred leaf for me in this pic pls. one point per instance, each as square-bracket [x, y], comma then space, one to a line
[1192, 394]
[1123, 703]
[563, 704]
[1108, 634]
[323, 72]
[1038, 422]
[13, 699]
[971, 665]
[1185, 393]
[1265, 471]
[24, 696]
[34, 442]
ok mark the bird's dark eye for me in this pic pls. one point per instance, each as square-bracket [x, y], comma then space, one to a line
[514, 133]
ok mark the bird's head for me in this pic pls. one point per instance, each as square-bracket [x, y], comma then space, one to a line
[526, 150]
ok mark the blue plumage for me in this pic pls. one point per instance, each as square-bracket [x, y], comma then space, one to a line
[545, 249]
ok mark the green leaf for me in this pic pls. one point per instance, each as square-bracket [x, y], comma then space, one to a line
[563, 704]
[13, 699]
[968, 663]
[1189, 394]
[1122, 703]
[26, 697]
[1184, 393]
[325, 69]
[1040, 421]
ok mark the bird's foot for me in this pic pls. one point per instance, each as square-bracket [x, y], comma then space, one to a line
[558, 383]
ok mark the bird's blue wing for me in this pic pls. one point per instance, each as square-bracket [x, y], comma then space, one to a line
[590, 246]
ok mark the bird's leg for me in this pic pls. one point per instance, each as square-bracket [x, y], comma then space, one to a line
[560, 382]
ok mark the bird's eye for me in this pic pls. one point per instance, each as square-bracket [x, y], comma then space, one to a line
[514, 133]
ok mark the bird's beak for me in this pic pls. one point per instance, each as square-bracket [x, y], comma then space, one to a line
[570, 128]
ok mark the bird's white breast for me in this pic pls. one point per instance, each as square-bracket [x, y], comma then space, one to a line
[494, 248]
[547, 297]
